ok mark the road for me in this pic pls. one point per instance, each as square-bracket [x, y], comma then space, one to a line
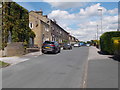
[63, 70]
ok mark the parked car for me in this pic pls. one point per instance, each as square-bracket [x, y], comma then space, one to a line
[76, 45]
[51, 46]
[61, 44]
[67, 46]
[87, 45]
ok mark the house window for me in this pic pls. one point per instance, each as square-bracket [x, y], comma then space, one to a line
[36, 23]
[53, 28]
[31, 25]
[46, 28]
[60, 32]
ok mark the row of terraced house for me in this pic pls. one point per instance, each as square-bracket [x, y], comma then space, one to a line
[33, 28]
[46, 29]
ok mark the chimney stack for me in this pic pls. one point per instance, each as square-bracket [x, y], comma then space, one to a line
[45, 16]
[40, 12]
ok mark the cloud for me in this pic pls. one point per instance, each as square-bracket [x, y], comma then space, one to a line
[114, 11]
[58, 14]
[92, 10]
[110, 23]
[82, 16]
[68, 0]
[66, 5]
[61, 1]
[83, 13]
[86, 21]
[79, 0]
[110, 19]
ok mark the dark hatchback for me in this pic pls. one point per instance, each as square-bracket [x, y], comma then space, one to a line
[67, 46]
[51, 46]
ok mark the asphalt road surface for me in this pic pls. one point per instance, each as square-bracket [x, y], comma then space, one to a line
[63, 70]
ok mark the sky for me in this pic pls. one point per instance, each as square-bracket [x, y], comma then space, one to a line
[80, 19]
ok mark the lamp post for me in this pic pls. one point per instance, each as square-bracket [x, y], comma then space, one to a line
[100, 9]
[97, 32]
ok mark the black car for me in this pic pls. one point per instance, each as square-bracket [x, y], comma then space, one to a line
[51, 46]
[67, 46]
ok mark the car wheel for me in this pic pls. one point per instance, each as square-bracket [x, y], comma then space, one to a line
[54, 52]
[43, 51]
[59, 51]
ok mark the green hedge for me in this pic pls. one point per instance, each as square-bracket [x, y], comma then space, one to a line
[16, 20]
[106, 43]
[95, 43]
[116, 45]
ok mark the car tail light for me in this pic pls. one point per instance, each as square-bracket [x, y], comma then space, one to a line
[52, 45]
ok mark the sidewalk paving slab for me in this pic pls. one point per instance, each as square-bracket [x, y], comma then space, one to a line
[17, 59]
[102, 70]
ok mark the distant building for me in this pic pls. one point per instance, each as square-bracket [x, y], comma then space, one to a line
[58, 33]
[72, 39]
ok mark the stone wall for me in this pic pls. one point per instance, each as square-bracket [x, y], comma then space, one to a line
[29, 50]
[14, 49]
[0, 53]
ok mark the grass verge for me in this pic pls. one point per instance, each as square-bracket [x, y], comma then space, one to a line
[3, 64]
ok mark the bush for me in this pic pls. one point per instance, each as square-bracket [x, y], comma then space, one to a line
[95, 43]
[98, 44]
[116, 44]
[106, 43]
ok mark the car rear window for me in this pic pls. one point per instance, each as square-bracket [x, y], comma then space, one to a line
[66, 44]
[48, 42]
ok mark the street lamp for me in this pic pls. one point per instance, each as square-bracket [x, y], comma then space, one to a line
[97, 32]
[100, 9]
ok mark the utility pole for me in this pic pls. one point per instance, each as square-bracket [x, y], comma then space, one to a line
[95, 36]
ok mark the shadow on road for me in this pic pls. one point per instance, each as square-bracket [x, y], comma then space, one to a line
[102, 53]
[50, 53]
[116, 58]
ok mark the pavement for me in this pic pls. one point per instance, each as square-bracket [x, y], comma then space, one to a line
[102, 70]
[18, 59]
